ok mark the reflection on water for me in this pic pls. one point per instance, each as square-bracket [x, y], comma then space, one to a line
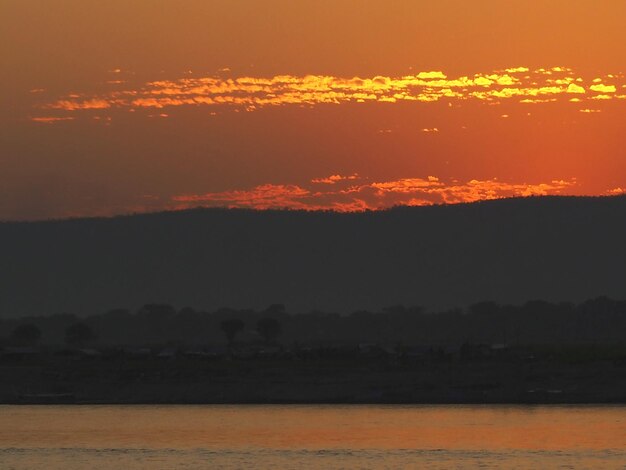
[166, 437]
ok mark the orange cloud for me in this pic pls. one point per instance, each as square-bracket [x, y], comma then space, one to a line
[73, 105]
[332, 179]
[616, 191]
[370, 196]
[252, 93]
[51, 119]
[408, 185]
[267, 196]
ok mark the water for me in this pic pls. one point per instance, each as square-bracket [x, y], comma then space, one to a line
[307, 437]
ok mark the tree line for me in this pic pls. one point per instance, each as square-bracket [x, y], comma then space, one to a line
[598, 320]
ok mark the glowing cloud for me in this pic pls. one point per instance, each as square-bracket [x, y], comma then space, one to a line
[616, 191]
[51, 119]
[429, 75]
[518, 70]
[573, 88]
[265, 196]
[600, 88]
[252, 93]
[73, 105]
[368, 196]
[332, 179]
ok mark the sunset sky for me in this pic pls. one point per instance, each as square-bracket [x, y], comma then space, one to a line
[113, 107]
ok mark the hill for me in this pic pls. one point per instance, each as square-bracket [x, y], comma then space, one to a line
[509, 251]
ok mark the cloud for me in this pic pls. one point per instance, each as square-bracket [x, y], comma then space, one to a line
[408, 185]
[252, 93]
[368, 196]
[73, 105]
[267, 196]
[573, 88]
[600, 88]
[428, 75]
[517, 70]
[51, 119]
[332, 179]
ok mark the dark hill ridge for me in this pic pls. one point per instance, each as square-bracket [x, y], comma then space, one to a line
[553, 248]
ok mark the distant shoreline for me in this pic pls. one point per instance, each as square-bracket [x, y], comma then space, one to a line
[329, 403]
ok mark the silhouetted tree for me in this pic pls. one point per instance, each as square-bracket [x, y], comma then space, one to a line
[231, 327]
[276, 309]
[78, 334]
[26, 334]
[159, 320]
[269, 328]
[157, 311]
[485, 310]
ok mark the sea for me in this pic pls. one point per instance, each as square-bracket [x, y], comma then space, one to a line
[85, 437]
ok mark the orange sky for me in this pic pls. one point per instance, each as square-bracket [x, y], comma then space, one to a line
[117, 107]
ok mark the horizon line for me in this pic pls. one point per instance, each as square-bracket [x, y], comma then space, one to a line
[301, 210]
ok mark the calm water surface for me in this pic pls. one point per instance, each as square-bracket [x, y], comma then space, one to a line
[302, 437]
